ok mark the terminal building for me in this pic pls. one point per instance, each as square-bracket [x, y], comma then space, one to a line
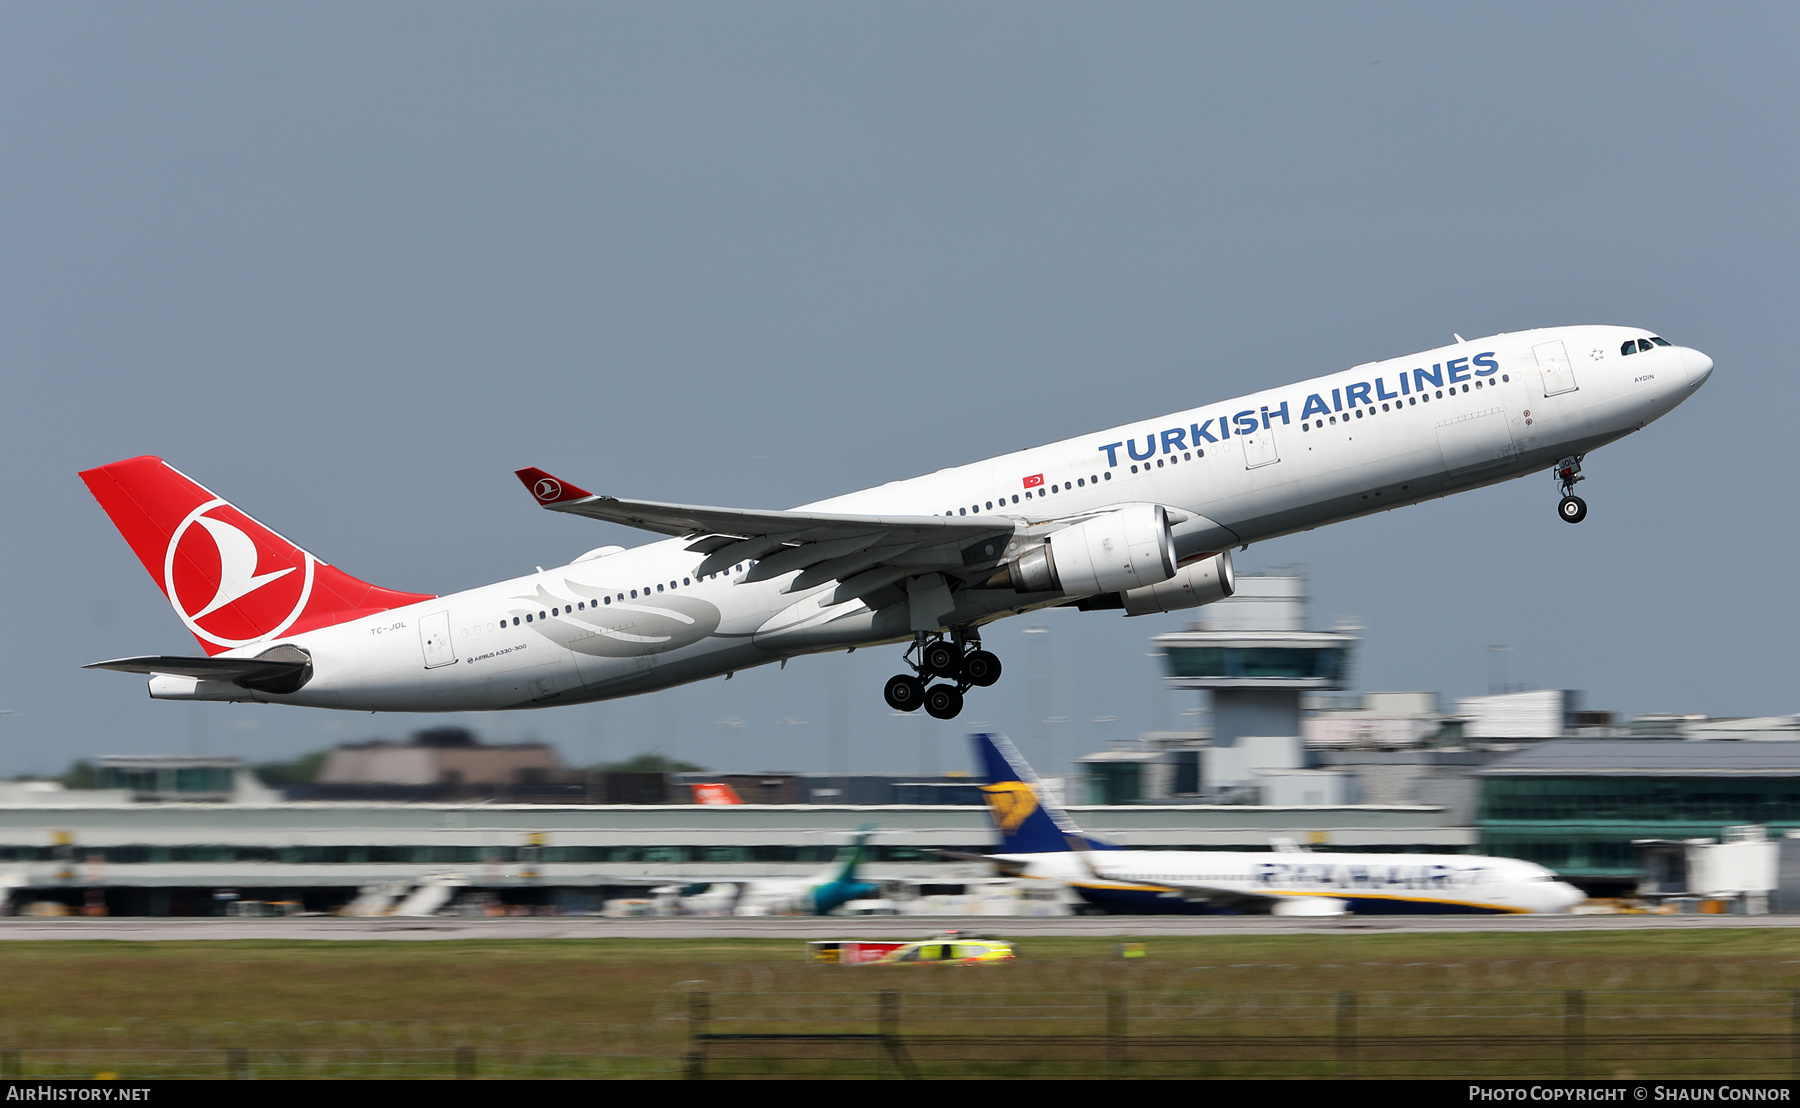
[197, 858]
[1288, 754]
[1589, 808]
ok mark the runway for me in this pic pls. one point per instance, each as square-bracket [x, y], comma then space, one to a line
[330, 928]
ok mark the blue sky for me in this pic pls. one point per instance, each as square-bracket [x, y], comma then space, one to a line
[350, 265]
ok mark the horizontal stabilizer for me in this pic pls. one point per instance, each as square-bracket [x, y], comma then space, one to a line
[283, 669]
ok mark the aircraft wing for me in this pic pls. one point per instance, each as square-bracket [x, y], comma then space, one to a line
[825, 547]
[1005, 867]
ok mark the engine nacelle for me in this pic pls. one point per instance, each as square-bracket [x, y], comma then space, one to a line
[1130, 548]
[1200, 583]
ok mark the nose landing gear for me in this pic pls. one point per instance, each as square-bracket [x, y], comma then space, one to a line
[1572, 508]
[959, 660]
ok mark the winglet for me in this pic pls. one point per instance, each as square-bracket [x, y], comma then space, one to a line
[549, 490]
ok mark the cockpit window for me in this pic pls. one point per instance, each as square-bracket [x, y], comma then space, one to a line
[1644, 344]
[1659, 341]
[1630, 347]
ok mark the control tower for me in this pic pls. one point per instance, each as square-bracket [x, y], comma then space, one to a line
[1252, 652]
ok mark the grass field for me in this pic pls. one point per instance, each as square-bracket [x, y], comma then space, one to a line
[618, 1007]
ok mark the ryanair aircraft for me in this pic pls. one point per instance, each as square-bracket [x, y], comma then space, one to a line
[1038, 840]
[1140, 518]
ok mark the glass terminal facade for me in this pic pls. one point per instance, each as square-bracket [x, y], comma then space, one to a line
[1583, 826]
[1325, 664]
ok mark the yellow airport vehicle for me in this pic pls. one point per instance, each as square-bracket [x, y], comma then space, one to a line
[950, 947]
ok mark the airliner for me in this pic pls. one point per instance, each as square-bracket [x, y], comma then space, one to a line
[819, 895]
[1140, 518]
[1039, 841]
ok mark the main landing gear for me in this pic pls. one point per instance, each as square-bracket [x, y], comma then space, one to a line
[959, 660]
[1572, 508]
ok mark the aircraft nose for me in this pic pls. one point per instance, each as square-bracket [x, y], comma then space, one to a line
[1699, 366]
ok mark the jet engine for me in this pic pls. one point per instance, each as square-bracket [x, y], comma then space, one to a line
[1130, 548]
[1199, 583]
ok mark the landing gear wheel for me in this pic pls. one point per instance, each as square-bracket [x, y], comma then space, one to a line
[904, 693]
[943, 702]
[942, 659]
[981, 669]
[1573, 509]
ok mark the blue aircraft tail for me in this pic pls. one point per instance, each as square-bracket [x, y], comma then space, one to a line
[847, 884]
[1027, 819]
[851, 857]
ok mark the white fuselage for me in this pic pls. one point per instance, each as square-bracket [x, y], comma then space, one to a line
[1283, 460]
[1141, 880]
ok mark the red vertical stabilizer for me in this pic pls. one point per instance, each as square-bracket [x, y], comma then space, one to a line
[233, 581]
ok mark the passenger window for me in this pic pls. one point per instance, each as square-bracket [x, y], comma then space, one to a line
[515, 621]
[1082, 482]
[1109, 475]
[634, 594]
[962, 511]
[1159, 462]
[684, 581]
[1134, 469]
[659, 588]
[990, 505]
[581, 606]
[608, 600]
[1630, 347]
[527, 618]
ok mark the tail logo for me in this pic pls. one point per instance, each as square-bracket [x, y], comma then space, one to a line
[229, 576]
[1011, 802]
[548, 489]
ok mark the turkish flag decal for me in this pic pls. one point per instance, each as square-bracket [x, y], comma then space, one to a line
[1034, 480]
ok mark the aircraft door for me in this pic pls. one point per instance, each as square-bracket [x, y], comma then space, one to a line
[1259, 448]
[1553, 363]
[1473, 439]
[434, 640]
[597, 667]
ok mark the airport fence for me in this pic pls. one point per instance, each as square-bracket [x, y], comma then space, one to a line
[1335, 1034]
[1045, 1019]
[266, 1049]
